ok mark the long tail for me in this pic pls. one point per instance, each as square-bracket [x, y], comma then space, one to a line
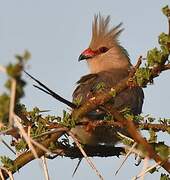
[48, 91]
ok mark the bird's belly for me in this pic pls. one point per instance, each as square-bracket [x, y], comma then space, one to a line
[99, 135]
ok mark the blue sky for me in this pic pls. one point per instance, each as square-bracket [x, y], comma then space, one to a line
[56, 32]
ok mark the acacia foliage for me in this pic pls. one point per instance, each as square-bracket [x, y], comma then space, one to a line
[48, 129]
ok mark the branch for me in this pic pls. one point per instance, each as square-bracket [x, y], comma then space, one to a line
[93, 103]
[26, 157]
[142, 126]
[155, 127]
[2, 69]
[138, 138]
[88, 160]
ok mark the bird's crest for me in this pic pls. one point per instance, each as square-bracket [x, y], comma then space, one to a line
[102, 35]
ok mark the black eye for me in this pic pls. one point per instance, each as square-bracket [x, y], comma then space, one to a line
[103, 49]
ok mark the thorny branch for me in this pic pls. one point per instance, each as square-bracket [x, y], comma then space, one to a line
[104, 98]
[93, 103]
[79, 112]
[88, 160]
[28, 156]
[138, 138]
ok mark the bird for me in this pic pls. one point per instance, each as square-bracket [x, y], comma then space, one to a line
[108, 63]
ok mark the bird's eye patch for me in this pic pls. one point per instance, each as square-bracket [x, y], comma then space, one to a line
[103, 49]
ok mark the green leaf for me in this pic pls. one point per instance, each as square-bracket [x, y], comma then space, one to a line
[4, 108]
[108, 117]
[8, 163]
[125, 140]
[100, 86]
[153, 170]
[162, 149]
[27, 55]
[67, 120]
[112, 92]
[166, 11]
[14, 70]
[164, 39]
[77, 101]
[142, 75]
[164, 177]
[153, 136]
[23, 58]
[21, 145]
[154, 57]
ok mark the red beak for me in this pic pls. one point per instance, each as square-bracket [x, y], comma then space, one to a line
[88, 53]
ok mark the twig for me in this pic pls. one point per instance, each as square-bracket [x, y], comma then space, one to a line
[59, 129]
[127, 155]
[122, 136]
[24, 134]
[85, 155]
[56, 127]
[139, 62]
[169, 25]
[28, 156]
[136, 152]
[142, 126]
[45, 168]
[43, 148]
[1, 175]
[36, 143]
[151, 153]
[6, 131]
[40, 146]
[155, 127]
[147, 170]
[8, 172]
[134, 69]
[138, 138]
[2, 69]
[145, 166]
[12, 102]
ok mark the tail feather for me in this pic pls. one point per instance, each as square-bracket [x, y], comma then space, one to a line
[48, 91]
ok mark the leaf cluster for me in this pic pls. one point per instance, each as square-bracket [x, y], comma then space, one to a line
[156, 57]
[8, 163]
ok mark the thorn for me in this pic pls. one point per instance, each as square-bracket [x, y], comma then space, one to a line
[127, 155]
[78, 164]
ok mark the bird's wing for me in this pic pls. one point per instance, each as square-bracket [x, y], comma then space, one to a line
[84, 90]
[102, 81]
[89, 84]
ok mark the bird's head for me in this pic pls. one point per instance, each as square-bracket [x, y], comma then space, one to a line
[104, 52]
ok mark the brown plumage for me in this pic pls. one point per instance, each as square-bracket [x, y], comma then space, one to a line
[109, 63]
